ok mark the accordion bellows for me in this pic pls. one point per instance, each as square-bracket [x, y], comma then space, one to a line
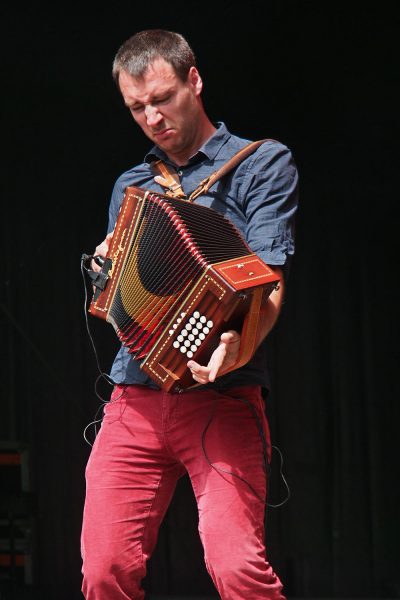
[178, 275]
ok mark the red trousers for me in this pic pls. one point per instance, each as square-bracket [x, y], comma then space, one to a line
[148, 439]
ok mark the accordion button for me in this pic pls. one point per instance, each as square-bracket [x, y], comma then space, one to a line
[210, 324]
[180, 338]
[189, 354]
[176, 344]
[191, 336]
[206, 330]
[193, 348]
[192, 320]
[203, 319]
[183, 349]
[184, 332]
[195, 331]
[186, 343]
[202, 336]
[188, 326]
[198, 342]
[196, 314]
[199, 325]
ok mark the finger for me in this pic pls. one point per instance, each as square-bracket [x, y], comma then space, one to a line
[214, 371]
[199, 373]
[95, 266]
[230, 337]
[197, 369]
[216, 361]
[101, 249]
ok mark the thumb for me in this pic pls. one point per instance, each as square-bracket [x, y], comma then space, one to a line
[230, 337]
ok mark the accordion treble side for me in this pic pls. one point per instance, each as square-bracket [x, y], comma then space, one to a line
[176, 276]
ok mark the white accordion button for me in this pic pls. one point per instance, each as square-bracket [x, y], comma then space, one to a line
[189, 354]
[183, 349]
[196, 314]
[193, 348]
[176, 344]
[198, 343]
[210, 324]
[206, 330]
[203, 319]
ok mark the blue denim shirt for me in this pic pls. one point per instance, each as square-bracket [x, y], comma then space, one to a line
[260, 197]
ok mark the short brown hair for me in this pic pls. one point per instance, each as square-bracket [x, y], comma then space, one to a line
[143, 48]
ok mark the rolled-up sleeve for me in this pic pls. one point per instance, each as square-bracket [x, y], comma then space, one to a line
[115, 203]
[270, 198]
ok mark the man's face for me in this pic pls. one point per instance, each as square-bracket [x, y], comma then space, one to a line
[166, 108]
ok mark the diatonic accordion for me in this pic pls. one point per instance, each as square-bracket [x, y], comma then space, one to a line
[177, 275]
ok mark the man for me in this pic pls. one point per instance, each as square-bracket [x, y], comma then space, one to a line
[217, 432]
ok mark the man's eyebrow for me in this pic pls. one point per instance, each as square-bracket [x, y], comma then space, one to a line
[153, 98]
[132, 104]
[162, 94]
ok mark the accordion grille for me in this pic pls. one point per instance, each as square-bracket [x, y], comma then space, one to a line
[173, 243]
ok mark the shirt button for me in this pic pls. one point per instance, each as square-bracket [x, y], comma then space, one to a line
[180, 173]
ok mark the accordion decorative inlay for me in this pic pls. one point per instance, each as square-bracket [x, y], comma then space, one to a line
[177, 275]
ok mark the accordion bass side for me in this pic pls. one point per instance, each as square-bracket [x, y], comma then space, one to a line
[175, 277]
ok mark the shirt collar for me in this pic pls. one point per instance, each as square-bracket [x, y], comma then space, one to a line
[208, 150]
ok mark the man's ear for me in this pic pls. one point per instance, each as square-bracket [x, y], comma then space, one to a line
[195, 80]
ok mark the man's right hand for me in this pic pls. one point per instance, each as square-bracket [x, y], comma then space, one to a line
[101, 250]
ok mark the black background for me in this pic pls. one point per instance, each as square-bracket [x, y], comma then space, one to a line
[321, 78]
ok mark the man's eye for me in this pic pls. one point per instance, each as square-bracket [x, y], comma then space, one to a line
[162, 100]
[136, 109]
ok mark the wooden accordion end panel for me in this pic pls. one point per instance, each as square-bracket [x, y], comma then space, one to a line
[178, 275]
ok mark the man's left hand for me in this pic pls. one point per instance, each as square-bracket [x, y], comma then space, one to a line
[223, 357]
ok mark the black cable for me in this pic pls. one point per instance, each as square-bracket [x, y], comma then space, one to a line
[102, 374]
[266, 465]
[283, 479]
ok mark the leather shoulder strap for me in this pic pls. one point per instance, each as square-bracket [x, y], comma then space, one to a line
[237, 158]
[168, 179]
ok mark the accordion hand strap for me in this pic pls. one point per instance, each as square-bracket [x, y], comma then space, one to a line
[249, 331]
[228, 166]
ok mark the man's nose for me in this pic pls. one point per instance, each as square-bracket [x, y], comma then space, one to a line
[153, 116]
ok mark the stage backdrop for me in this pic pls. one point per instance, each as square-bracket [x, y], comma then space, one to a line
[320, 78]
